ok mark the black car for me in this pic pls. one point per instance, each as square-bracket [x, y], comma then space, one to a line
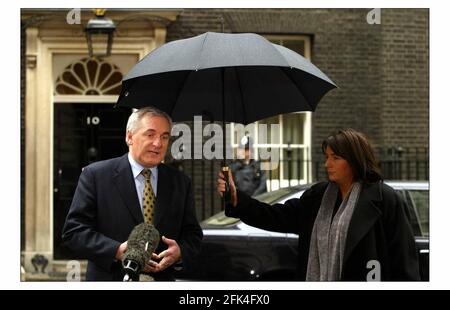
[235, 251]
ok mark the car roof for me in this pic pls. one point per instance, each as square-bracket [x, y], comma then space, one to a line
[297, 191]
[412, 185]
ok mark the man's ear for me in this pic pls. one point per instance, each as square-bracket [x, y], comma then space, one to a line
[129, 138]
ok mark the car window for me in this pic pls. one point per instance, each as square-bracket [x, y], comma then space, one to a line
[420, 200]
[411, 213]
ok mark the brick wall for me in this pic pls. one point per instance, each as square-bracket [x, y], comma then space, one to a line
[405, 78]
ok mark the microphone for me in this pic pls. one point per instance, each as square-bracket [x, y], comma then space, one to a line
[142, 242]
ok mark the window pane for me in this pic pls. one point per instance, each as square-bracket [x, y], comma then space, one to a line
[293, 164]
[268, 139]
[293, 128]
[411, 213]
[273, 174]
[295, 45]
[274, 40]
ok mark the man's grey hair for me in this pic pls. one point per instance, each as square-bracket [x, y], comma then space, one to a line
[135, 117]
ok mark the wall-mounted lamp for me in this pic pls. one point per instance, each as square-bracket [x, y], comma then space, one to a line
[99, 34]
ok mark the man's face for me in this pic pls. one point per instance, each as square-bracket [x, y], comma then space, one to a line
[148, 145]
[244, 153]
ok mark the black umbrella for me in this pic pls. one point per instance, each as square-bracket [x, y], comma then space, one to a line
[253, 77]
[238, 78]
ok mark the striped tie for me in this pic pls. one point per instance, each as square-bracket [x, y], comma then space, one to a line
[149, 199]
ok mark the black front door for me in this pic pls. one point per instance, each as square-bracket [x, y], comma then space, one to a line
[83, 133]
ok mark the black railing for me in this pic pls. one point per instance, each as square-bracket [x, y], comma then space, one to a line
[395, 163]
[404, 163]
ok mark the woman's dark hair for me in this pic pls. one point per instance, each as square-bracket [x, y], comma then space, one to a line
[354, 147]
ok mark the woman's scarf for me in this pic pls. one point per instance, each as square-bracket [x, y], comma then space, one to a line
[329, 234]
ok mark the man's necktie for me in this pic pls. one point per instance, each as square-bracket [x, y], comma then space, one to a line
[149, 200]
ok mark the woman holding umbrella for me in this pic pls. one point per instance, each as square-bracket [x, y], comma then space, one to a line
[351, 228]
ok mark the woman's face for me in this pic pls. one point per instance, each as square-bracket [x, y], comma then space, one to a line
[338, 168]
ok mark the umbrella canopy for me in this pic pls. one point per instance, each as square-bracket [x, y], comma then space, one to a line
[238, 78]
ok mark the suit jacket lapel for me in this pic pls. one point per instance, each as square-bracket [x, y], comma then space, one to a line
[364, 216]
[124, 182]
[163, 195]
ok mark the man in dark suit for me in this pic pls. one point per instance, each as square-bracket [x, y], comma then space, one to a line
[111, 199]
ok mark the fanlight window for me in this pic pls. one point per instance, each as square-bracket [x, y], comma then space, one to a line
[89, 76]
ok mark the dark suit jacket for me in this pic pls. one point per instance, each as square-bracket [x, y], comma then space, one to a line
[105, 208]
[379, 230]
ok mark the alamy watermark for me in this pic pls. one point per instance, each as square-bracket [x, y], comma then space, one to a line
[74, 17]
[374, 275]
[212, 148]
[74, 271]
[374, 17]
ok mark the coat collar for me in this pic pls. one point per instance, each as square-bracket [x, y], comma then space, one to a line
[124, 181]
[364, 216]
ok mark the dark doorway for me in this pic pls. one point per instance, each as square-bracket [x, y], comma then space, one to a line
[83, 133]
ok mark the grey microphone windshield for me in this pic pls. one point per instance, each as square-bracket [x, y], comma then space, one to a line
[142, 242]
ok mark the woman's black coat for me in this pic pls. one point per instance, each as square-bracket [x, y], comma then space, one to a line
[379, 230]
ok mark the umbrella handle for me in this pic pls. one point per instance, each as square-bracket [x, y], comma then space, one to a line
[227, 194]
